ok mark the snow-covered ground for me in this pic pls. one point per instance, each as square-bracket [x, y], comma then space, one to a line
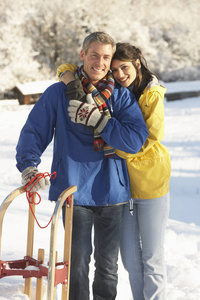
[182, 137]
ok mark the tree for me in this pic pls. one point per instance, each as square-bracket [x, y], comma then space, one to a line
[37, 36]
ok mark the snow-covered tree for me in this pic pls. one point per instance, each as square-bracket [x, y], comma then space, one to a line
[36, 36]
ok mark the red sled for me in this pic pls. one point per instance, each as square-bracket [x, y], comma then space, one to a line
[28, 267]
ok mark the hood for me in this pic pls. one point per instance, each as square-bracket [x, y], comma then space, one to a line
[154, 85]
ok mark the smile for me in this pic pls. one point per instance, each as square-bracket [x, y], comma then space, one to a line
[123, 79]
[97, 70]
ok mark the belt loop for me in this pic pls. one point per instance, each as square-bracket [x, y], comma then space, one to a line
[131, 206]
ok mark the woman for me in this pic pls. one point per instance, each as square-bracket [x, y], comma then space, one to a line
[142, 243]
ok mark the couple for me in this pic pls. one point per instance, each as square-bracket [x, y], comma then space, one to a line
[85, 155]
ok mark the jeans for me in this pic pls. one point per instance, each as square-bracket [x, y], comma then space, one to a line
[142, 247]
[107, 232]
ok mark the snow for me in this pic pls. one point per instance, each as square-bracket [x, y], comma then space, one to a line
[182, 243]
[183, 86]
[34, 87]
[36, 37]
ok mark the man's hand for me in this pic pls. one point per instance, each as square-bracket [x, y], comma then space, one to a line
[87, 114]
[28, 174]
[83, 113]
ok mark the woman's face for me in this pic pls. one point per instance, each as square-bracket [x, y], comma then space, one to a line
[123, 72]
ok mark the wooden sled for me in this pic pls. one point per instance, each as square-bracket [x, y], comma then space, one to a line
[29, 267]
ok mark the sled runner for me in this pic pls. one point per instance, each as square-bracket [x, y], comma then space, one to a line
[28, 267]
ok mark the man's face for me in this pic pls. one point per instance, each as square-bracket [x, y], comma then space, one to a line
[96, 63]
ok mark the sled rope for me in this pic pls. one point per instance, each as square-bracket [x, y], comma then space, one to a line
[29, 194]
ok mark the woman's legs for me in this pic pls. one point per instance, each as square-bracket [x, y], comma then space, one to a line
[152, 219]
[131, 253]
[147, 279]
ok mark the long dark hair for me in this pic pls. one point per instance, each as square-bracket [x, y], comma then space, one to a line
[127, 52]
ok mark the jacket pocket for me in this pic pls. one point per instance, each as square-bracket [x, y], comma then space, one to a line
[118, 173]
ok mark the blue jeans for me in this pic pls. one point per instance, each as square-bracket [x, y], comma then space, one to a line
[142, 247]
[107, 232]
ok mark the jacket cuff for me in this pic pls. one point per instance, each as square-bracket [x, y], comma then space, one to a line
[101, 123]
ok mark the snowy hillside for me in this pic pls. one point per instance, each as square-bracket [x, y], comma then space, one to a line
[36, 36]
[183, 229]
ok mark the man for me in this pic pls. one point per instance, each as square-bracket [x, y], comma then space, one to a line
[86, 158]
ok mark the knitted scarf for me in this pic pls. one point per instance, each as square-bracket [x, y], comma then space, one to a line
[100, 94]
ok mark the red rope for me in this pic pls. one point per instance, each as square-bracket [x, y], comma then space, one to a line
[30, 195]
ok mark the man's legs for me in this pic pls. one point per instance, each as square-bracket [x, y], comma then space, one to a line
[83, 219]
[107, 233]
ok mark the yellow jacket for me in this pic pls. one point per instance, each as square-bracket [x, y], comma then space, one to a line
[150, 168]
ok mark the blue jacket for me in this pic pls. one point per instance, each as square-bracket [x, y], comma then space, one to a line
[99, 180]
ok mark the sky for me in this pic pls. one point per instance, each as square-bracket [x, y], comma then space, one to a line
[182, 242]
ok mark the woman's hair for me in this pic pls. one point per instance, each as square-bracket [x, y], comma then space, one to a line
[100, 37]
[127, 52]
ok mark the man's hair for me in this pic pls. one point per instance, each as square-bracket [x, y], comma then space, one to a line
[100, 37]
